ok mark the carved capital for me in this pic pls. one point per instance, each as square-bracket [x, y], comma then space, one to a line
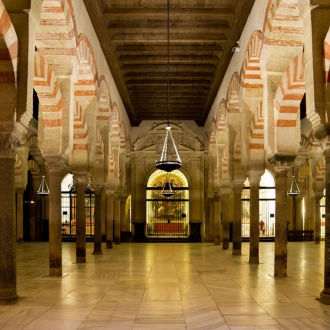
[9, 142]
[281, 163]
[56, 163]
[98, 188]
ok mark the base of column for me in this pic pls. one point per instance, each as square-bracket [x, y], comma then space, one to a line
[8, 296]
[324, 298]
[109, 244]
[225, 245]
[217, 243]
[80, 260]
[55, 272]
[237, 252]
[254, 260]
[97, 253]
[317, 241]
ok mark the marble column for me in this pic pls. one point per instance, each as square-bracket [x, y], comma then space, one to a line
[325, 294]
[317, 218]
[8, 145]
[55, 167]
[81, 180]
[211, 219]
[98, 225]
[117, 219]
[217, 219]
[19, 215]
[110, 197]
[237, 226]
[281, 166]
[225, 194]
[254, 179]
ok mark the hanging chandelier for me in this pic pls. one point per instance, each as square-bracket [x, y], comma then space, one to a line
[169, 159]
[43, 188]
[294, 188]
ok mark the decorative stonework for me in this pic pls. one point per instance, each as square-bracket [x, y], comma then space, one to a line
[281, 163]
[8, 141]
[56, 163]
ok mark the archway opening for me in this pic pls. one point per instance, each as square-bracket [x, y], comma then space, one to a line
[167, 217]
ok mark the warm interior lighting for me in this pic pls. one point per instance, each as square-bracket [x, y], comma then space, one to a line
[167, 189]
[43, 188]
[170, 159]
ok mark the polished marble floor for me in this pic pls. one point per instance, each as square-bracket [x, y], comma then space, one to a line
[168, 286]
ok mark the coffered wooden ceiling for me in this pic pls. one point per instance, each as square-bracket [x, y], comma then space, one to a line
[202, 34]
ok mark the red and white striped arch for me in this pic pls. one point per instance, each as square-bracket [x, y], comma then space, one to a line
[8, 66]
[250, 72]
[57, 34]
[114, 121]
[51, 103]
[86, 88]
[99, 149]
[212, 139]
[327, 58]
[282, 25]
[221, 117]
[257, 130]
[238, 148]
[224, 163]
[287, 103]
[80, 131]
[233, 94]
[104, 106]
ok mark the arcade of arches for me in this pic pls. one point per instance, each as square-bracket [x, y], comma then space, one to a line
[60, 112]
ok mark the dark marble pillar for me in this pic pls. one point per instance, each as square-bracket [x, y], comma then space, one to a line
[317, 218]
[254, 179]
[237, 228]
[81, 180]
[225, 194]
[55, 167]
[117, 219]
[19, 215]
[217, 219]
[110, 197]
[282, 163]
[8, 145]
[98, 225]
[325, 294]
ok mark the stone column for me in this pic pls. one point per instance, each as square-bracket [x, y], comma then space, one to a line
[110, 197]
[98, 225]
[254, 179]
[81, 180]
[117, 219]
[210, 219]
[19, 215]
[55, 167]
[8, 145]
[225, 194]
[325, 294]
[217, 216]
[281, 166]
[237, 228]
[317, 218]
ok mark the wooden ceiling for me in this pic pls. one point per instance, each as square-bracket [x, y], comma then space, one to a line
[134, 37]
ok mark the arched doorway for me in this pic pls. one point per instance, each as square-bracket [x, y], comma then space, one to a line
[267, 197]
[167, 217]
[68, 205]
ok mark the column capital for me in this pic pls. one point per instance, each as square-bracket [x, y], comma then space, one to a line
[9, 141]
[56, 163]
[281, 163]
[81, 177]
[254, 177]
[109, 191]
[225, 192]
[98, 188]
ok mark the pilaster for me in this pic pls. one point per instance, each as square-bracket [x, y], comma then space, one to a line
[237, 226]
